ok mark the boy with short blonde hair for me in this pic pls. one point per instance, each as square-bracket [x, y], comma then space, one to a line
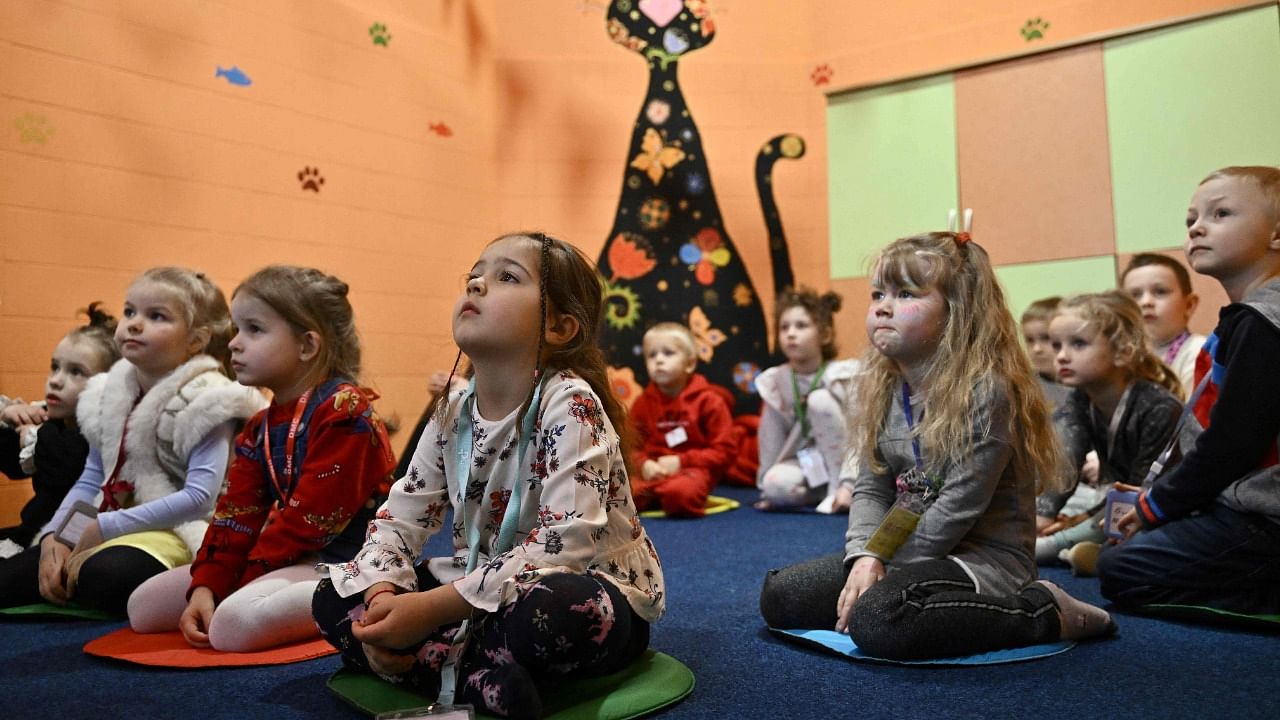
[1210, 527]
[683, 426]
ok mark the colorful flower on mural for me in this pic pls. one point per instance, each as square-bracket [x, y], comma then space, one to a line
[742, 295]
[705, 337]
[706, 253]
[618, 33]
[695, 183]
[623, 383]
[657, 111]
[699, 9]
[629, 257]
[656, 157]
[744, 376]
[654, 213]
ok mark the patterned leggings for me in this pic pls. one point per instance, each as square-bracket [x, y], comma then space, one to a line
[565, 625]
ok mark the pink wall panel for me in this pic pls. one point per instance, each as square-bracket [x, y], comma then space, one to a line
[1033, 158]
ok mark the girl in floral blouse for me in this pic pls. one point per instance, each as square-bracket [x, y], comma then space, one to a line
[551, 571]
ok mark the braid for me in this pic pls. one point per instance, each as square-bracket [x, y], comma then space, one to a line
[544, 265]
[440, 401]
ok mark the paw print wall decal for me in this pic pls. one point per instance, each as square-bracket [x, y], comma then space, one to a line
[33, 128]
[379, 33]
[821, 75]
[310, 179]
[1034, 29]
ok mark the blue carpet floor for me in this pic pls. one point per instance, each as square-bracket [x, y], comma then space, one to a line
[714, 566]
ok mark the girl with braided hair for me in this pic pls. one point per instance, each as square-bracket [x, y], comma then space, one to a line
[551, 573]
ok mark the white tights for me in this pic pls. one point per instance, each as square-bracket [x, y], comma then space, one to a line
[273, 610]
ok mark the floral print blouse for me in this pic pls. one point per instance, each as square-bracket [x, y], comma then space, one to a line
[576, 514]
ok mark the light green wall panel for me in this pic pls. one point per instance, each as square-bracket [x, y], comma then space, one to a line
[1182, 102]
[1024, 284]
[891, 167]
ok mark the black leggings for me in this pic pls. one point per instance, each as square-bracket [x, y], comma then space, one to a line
[106, 579]
[922, 610]
[565, 625]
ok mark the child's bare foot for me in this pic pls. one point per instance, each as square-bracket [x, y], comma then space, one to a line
[1079, 619]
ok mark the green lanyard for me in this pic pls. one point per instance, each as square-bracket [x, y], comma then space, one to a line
[802, 401]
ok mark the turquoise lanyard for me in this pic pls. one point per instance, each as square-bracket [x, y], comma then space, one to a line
[463, 459]
[506, 532]
[802, 401]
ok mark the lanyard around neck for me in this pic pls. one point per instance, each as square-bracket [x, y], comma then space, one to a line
[1113, 429]
[1171, 353]
[1158, 466]
[286, 489]
[915, 441]
[802, 401]
[463, 458]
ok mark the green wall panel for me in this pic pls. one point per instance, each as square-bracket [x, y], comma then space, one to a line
[1024, 284]
[892, 167]
[1182, 102]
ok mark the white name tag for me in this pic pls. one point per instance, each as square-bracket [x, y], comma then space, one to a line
[677, 437]
[813, 466]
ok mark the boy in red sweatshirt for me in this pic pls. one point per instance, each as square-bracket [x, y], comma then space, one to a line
[683, 425]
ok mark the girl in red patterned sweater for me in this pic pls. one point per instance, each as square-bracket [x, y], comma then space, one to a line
[308, 473]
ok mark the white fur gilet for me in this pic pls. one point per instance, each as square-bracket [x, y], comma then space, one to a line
[163, 428]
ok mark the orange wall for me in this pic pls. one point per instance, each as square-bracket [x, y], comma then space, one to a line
[152, 160]
[148, 159]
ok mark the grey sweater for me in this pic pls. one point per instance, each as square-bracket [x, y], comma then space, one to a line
[984, 517]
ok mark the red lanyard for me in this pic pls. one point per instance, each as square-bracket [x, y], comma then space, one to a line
[298, 409]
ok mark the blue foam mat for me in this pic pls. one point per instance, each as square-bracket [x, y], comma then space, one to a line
[841, 644]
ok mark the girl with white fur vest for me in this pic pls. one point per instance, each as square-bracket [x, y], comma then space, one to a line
[159, 426]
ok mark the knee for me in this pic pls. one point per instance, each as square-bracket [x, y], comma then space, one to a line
[778, 601]
[872, 625]
[328, 608]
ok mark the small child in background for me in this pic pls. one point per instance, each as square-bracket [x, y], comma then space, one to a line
[1124, 407]
[683, 426]
[802, 427]
[1035, 334]
[1162, 288]
[42, 441]
[309, 472]
[1210, 527]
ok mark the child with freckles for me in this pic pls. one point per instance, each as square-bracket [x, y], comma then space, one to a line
[683, 424]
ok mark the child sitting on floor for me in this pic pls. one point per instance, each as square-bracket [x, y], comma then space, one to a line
[1035, 334]
[952, 436]
[308, 473]
[1123, 407]
[1162, 288]
[1210, 527]
[802, 427]
[683, 424]
[42, 441]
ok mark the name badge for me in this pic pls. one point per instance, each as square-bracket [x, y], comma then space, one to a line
[813, 466]
[677, 437]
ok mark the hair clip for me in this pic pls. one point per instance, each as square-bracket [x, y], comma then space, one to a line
[961, 232]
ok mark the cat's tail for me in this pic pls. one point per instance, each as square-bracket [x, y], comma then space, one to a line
[791, 147]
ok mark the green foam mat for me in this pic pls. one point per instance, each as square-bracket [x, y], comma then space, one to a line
[649, 684]
[49, 611]
[1202, 614]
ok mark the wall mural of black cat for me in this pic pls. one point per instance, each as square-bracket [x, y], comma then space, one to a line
[668, 257]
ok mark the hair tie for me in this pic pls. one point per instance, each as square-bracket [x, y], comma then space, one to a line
[962, 239]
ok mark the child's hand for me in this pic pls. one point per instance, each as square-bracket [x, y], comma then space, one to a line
[1126, 487]
[1089, 471]
[90, 538]
[399, 621]
[1128, 523]
[53, 562]
[867, 571]
[669, 464]
[195, 620]
[1043, 524]
[843, 499]
[650, 470]
[20, 413]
